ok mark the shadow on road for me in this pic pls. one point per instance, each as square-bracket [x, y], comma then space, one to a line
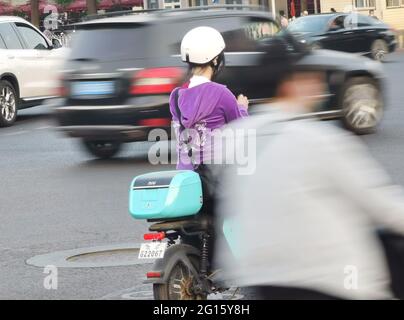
[390, 61]
[33, 117]
[36, 113]
[136, 154]
[119, 161]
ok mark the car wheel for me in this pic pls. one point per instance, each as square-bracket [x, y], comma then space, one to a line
[316, 46]
[8, 104]
[379, 50]
[102, 149]
[362, 105]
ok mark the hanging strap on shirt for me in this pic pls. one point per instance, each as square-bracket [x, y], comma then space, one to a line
[182, 127]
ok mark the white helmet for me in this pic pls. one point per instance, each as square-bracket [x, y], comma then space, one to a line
[201, 45]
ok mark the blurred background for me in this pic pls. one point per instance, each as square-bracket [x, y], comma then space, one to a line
[83, 83]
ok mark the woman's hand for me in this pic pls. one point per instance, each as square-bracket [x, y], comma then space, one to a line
[243, 100]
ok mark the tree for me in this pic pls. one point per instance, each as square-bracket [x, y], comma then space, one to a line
[35, 12]
[91, 6]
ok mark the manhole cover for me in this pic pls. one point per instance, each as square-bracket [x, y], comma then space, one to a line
[109, 256]
[92, 257]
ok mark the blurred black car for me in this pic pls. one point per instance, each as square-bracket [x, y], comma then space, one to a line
[349, 32]
[118, 78]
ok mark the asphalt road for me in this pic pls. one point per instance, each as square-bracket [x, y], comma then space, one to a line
[55, 197]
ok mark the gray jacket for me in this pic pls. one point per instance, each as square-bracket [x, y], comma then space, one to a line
[307, 216]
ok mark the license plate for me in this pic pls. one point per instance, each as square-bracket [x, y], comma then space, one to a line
[92, 88]
[152, 250]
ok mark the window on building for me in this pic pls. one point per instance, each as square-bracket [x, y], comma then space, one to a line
[234, 1]
[263, 3]
[200, 3]
[172, 4]
[152, 4]
[394, 3]
[365, 3]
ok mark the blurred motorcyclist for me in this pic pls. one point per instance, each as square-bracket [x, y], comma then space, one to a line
[202, 105]
[306, 218]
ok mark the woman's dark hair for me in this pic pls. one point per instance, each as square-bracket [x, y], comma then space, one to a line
[220, 63]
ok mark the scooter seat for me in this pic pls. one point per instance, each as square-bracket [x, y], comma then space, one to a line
[196, 224]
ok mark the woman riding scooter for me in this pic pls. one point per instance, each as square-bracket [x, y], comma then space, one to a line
[202, 105]
[171, 200]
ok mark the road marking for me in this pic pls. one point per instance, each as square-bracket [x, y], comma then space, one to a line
[15, 133]
[120, 293]
[145, 292]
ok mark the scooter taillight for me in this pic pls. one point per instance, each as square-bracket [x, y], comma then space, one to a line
[154, 236]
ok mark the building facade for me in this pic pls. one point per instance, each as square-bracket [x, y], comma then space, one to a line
[171, 4]
[312, 6]
[390, 11]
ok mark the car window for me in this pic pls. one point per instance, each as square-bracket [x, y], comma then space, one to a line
[233, 30]
[337, 23]
[2, 44]
[239, 40]
[9, 36]
[33, 39]
[110, 43]
[309, 24]
[364, 21]
[261, 30]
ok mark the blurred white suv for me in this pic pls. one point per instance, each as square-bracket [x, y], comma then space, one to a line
[29, 67]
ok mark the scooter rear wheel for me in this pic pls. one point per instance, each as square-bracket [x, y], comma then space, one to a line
[180, 284]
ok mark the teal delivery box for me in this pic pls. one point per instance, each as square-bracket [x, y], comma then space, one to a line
[165, 195]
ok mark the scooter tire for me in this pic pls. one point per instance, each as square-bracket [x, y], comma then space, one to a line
[165, 291]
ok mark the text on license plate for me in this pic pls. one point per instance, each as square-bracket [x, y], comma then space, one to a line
[152, 250]
[93, 88]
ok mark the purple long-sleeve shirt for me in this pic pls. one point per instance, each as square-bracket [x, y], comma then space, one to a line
[204, 108]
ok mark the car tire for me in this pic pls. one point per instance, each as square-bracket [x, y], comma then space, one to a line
[362, 105]
[8, 104]
[316, 46]
[379, 50]
[102, 149]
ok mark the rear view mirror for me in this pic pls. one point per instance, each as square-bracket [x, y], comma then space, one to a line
[56, 44]
[274, 47]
